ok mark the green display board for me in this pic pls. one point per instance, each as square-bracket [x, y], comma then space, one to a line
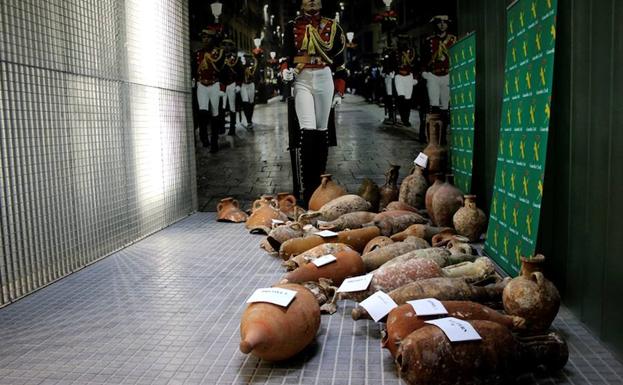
[518, 187]
[462, 108]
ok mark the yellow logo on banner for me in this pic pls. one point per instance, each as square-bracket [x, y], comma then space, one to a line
[552, 32]
[519, 115]
[515, 213]
[506, 87]
[456, 58]
[495, 237]
[529, 224]
[462, 98]
[469, 142]
[532, 112]
[533, 9]
[504, 211]
[525, 186]
[505, 245]
[512, 26]
[536, 151]
[463, 53]
[522, 149]
[521, 18]
[510, 147]
[459, 75]
[540, 188]
[464, 163]
[549, 4]
[517, 253]
[503, 178]
[466, 75]
[516, 83]
[513, 181]
[469, 96]
[495, 205]
[473, 118]
[529, 80]
[514, 51]
[508, 116]
[471, 51]
[465, 119]
[525, 49]
[542, 74]
[502, 147]
[537, 39]
[461, 140]
[547, 111]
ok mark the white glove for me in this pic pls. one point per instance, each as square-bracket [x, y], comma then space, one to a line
[222, 94]
[337, 100]
[287, 74]
[237, 88]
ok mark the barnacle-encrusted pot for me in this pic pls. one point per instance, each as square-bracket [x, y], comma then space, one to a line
[325, 193]
[469, 220]
[264, 211]
[228, 210]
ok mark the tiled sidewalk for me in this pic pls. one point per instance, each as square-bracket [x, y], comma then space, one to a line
[167, 309]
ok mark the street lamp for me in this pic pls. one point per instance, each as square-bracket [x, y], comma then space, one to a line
[388, 3]
[217, 10]
[257, 42]
[273, 55]
[337, 17]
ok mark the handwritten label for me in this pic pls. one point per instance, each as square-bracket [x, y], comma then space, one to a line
[326, 233]
[421, 160]
[456, 330]
[274, 295]
[378, 305]
[324, 260]
[359, 283]
[428, 306]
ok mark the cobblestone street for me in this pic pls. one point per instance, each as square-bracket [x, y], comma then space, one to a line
[257, 162]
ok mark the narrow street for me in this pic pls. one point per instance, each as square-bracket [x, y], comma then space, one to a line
[259, 163]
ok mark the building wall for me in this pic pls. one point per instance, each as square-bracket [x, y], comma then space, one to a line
[581, 211]
[96, 143]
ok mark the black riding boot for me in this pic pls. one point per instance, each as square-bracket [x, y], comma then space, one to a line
[232, 124]
[314, 151]
[215, 127]
[405, 110]
[251, 107]
[204, 117]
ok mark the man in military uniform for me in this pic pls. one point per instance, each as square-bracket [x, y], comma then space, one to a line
[247, 90]
[231, 77]
[405, 81]
[209, 62]
[437, 62]
[388, 64]
[314, 48]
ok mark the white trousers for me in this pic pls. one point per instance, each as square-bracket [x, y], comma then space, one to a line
[404, 85]
[208, 97]
[313, 95]
[388, 83]
[247, 92]
[230, 96]
[438, 89]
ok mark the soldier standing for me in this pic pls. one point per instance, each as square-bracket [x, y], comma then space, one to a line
[247, 90]
[314, 47]
[232, 76]
[405, 81]
[437, 61]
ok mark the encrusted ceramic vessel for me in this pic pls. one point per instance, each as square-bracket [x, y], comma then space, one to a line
[437, 154]
[389, 191]
[448, 199]
[469, 220]
[264, 211]
[413, 188]
[325, 193]
[228, 210]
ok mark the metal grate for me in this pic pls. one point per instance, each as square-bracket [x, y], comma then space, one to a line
[96, 133]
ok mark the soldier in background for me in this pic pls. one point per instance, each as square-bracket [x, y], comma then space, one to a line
[314, 48]
[231, 77]
[436, 53]
[209, 61]
[405, 81]
[247, 90]
[388, 69]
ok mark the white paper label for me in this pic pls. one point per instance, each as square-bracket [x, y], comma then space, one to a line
[327, 233]
[428, 306]
[359, 283]
[455, 329]
[278, 222]
[324, 260]
[378, 305]
[275, 295]
[421, 160]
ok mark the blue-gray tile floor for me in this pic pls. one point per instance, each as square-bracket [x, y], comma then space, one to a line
[166, 310]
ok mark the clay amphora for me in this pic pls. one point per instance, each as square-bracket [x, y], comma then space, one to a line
[377, 243]
[370, 191]
[275, 333]
[427, 357]
[437, 154]
[280, 234]
[469, 220]
[286, 202]
[389, 191]
[228, 210]
[430, 193]
[532, 296]
[413, 188]
[325, 193]
[264, 211]
[447, 200]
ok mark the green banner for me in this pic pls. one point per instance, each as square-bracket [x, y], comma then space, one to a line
[462, 108]
[518, 188]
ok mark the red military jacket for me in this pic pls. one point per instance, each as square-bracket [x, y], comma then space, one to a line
[250, 71]
[232, 71]
[438, 53]
[406, 62]
[313, 41]
[209, 65]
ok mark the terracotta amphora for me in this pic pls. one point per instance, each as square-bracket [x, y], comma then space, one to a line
[370, 191]
[532, 296]
[413, 188]
[264, 211]
[437, 154]
[469, 220]
[228, 210]
[448, 199]
[326, 192]
[389, 191]
[286, 202]
[430, 193]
